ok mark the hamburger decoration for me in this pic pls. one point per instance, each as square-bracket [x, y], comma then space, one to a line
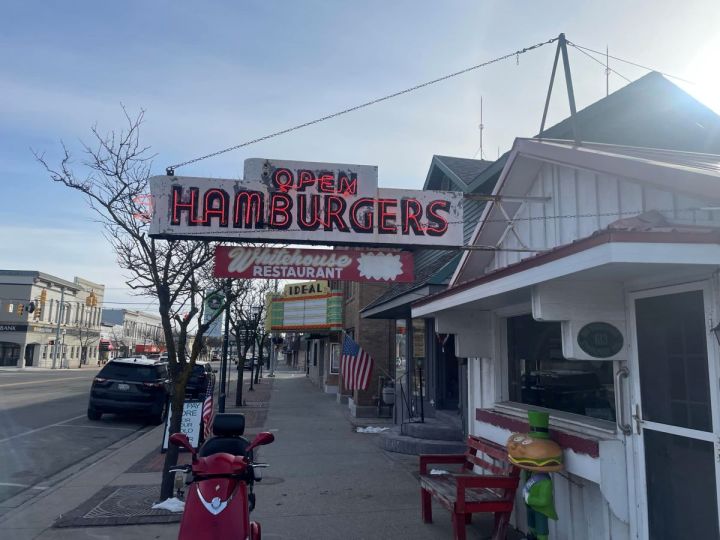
[538, 456]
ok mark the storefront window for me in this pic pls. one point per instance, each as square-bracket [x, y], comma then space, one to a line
[540, 375]
[400, 349]
[335, 358]
[9, 353]
[418, 353]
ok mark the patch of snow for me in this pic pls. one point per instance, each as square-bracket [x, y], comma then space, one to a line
[172, 505]
[372, 429]
[439, 471]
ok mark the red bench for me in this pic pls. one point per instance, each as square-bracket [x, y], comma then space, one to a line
[466, 492]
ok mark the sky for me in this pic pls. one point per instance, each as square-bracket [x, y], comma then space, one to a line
[214, 74]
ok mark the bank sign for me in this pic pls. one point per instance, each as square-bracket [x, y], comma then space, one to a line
[303, 202]
[297, 263]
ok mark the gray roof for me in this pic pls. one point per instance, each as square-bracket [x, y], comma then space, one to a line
[650, 112]
[41, 275]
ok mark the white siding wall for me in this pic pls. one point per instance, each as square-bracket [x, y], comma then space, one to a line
[582, 202]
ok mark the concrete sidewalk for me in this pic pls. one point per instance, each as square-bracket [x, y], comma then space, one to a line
[325, 481]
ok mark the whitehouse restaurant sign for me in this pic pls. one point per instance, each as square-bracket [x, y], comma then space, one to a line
[303, 202]
[337, 264]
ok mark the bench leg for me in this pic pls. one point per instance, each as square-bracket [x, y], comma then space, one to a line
[426, 505]
[458, 522]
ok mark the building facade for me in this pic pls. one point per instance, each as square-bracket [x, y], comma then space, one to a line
[46, 321]
[600, 305]
[142, 332]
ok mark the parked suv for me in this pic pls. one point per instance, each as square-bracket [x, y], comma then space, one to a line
[131, 386]
[200, 377]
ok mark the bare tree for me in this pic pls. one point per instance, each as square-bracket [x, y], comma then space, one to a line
[113, 176]
[87, 337]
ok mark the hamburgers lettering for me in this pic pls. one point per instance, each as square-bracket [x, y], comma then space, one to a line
[340, 211]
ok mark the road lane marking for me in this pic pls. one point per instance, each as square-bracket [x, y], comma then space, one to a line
[11, 484]
[40, 429]
[44, 381]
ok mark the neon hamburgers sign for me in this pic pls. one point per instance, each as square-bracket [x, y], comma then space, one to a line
[303, 202]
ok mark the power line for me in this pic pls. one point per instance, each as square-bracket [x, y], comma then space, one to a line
[514, 54]
[629, 62]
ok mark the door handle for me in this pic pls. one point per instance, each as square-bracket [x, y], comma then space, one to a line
[622, 424]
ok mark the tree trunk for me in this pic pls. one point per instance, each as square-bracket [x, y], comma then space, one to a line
[171, 456]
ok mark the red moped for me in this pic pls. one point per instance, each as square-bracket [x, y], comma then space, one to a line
[220, 479]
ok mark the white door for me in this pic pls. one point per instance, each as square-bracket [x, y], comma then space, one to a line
[675, 413]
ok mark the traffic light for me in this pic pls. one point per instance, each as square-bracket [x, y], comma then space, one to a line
[38, 312]
[91, 300]
[31, 307]
[20, 309]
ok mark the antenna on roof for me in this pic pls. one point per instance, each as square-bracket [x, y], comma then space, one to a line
[607, 71]
[481, 127]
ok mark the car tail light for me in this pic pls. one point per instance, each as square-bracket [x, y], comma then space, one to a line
[152, 384]
[99, 379]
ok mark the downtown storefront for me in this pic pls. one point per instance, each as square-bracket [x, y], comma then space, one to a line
[598, 305]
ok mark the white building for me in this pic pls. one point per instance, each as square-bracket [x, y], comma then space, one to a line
[141, 332]
[598, 299]
[46, 321]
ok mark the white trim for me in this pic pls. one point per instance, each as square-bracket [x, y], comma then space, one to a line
[607, 253]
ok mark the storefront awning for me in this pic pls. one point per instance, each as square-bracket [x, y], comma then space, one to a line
[607, 255]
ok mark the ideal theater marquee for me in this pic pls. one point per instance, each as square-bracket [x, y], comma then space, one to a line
[302, 202]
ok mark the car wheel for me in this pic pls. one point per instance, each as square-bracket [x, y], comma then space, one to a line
[93, 414]
[159, 417]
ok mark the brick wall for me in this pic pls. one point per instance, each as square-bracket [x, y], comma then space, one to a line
[375, 336]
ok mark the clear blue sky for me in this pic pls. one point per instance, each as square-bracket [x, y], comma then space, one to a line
[213, 74]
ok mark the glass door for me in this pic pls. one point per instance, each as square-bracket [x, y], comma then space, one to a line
[675, 405]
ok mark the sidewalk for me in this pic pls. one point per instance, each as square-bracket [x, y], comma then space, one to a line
[325, 481]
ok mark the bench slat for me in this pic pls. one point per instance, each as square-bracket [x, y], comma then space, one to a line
[445, 487]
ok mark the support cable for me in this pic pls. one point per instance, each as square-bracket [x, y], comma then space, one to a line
[629, 62]
[514, 54]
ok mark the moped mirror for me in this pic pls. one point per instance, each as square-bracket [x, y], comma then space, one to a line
[261, 439]
[181, 440]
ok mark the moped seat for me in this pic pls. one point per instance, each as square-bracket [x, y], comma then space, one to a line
[230, 445]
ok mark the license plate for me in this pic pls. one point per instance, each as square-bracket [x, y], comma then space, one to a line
[123, 386]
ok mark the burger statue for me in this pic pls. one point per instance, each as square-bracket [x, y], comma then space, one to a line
[538, 456]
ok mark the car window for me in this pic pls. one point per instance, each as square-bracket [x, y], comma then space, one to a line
[129, 372]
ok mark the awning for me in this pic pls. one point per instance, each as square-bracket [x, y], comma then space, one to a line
[606, 255]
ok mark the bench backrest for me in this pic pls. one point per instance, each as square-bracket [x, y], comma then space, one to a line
[488, 456]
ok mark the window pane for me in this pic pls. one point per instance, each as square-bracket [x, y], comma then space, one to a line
[538, 374]
[672, 352]
[680, 474]
[400, 349]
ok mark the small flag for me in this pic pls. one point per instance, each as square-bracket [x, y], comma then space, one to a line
[356, 365]
[208, 414]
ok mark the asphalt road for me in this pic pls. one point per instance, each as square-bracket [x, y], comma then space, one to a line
[44, 429]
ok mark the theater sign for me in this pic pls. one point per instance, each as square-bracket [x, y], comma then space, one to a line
[303, 202]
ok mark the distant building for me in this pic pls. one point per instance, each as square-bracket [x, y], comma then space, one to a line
[31, 305]
[142, 332]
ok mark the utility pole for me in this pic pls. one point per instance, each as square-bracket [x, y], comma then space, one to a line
[223, 362]
[273, 355]
[57, 329]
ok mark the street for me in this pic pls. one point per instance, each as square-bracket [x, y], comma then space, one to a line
[44, 430]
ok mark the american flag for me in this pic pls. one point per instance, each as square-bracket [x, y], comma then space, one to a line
[356, 365]
[207, 411]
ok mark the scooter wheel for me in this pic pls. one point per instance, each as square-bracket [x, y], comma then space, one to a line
[255, 531]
